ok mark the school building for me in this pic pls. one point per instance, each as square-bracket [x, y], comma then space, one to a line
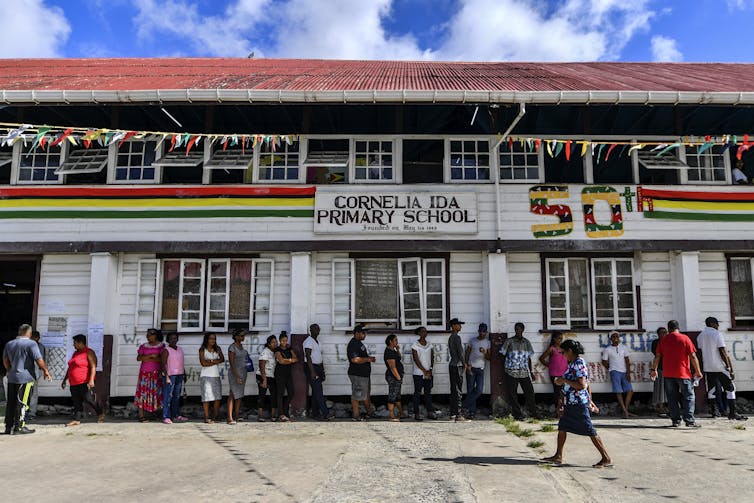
[200, 195]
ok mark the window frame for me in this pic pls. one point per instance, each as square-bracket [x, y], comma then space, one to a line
[540, 165]
[16, 166]
[683, 154]
[258, 153]
[729, 258]
[614, 289]
[112, 163]
[493, 162]
[546, 259]
[395, 153]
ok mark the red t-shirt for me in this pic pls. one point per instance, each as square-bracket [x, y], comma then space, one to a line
[675, 349]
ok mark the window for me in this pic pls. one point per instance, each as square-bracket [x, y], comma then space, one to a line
[280, 165]
[38, 166]
[134, 162]
[558, 169]
[216, 294]
[617, 168]
[593, 293]
[423, 161]
[711, 166]
[178, 167]
[742, 292]
[373, 161]
[519, 163]
[230, 164]
[391, 293]
[327, 161]
[469, 160]
[84, 166]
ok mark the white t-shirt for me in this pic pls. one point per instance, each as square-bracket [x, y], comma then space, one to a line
[269, 357]
[710, 341]
[425, 357]
[310, 343]
[739, 176]
[214, 370]
[616, 357]
[476, 358]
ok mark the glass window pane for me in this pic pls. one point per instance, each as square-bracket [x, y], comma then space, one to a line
[376, 289]
[743, 297]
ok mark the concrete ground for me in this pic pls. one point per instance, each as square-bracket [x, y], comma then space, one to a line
[345, 461]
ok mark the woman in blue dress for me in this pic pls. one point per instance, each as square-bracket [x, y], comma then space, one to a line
[575, 404]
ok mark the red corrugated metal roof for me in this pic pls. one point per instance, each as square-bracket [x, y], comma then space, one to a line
[335, 75]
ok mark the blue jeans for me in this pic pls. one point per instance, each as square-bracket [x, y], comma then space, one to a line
[171, 397]
[680, 394]
[474, 389]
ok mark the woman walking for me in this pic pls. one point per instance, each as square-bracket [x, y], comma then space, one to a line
[148, 396]
[393, 376]
[210, 358]
[575, 404]
[266, 378]
[285, 358]
[555, 362]
[81, 370]
[237, 356]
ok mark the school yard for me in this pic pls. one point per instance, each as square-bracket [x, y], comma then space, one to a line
[343, 461]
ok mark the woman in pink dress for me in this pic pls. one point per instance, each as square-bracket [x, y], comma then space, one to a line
[556, 363]
[148, 396]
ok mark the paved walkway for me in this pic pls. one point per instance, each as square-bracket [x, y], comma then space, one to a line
[375, 461]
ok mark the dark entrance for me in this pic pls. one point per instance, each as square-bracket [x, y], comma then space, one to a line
[19, 282]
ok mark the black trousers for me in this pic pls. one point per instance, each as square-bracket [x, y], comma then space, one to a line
[318, 404]
[283, 383]
[81, 395]
[421, 384]
[262, 401]
[456, 385]
[17, 405]
[511, 385]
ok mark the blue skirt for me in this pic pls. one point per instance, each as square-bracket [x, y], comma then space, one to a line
[576, 419]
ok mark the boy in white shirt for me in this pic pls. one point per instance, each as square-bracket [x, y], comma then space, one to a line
[717, 368]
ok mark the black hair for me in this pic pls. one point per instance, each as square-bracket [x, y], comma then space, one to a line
[661, 328]
[238, 332]
[710, 321]
[269, 340]
[390, 339]
[519, 324]
[673, 325]
[554, 336]
[35, 333]
[419, 329]
[283, 334]
[205, 341]
[170, 334]
[80, 338]
[156, 333]
[573, 345]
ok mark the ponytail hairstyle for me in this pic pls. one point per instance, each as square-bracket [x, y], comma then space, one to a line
[389, 339]
[573, 345]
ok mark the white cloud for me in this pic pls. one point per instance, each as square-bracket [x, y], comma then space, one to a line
[486, 30]
[738, 4]
[32, 29]
[665, 49]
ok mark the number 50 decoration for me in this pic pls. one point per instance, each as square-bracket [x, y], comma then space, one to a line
[541, 196]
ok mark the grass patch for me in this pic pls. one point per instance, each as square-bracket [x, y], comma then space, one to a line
[739, 427]
[512, 426]
[532, 420]
[535, 444]
[91, 434]
[547, 428]
[545, 466]
[69, 434]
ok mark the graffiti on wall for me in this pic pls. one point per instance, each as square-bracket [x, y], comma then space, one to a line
[543, 200]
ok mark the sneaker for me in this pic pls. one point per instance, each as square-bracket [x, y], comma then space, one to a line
[738, 417]
[432, 416]
[358, 419]
[284, 419]
[693, 425]
[22, 431]
[675, 424]
[418, 418]
[167, 420]
[462, 419]
[180, 419]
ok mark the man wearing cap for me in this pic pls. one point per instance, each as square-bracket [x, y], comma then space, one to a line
[616, 360]
[517, 352]
[477, 354]
[456, 368]
[359, 372]
[717, 368]
[19, 357]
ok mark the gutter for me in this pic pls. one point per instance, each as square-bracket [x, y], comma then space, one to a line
[503, 137]
[374, 96]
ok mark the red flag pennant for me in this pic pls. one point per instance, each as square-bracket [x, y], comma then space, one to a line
[126, 137]
[742, 149]
[568, 150]
[172, 142]
[536, 145]
[612, 147]
[62, 137]
[87, 143]
[191, 143]
[243, 145]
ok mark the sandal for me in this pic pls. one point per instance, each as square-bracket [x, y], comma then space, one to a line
[209, 421]
[231, 422]
[75, 422]
[603, 464]
[552, 460]
[143, 419]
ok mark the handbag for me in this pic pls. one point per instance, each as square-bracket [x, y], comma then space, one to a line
[249, 364]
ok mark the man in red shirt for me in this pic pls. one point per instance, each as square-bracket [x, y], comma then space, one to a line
[677, 351]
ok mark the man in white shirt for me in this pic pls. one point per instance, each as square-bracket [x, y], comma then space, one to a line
[315, 374]
[477, 354]
[616, 360]
[739, 177]
[717, 368]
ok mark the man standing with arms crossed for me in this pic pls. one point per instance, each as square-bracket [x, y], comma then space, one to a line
[676, 351]
[717, 368]
[19, 357]
[616, 360]
[456, 368]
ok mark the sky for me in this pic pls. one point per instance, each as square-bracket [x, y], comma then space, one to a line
[442, 30]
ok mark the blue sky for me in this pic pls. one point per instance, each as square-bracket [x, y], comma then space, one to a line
[487, 30]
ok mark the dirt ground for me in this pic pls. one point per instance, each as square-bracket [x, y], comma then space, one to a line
[343, 461]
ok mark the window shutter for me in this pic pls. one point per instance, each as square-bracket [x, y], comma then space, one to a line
[434, 293]
[262, 275]
[147, 282]
[343, 293]
[411, 293]
[191, 296]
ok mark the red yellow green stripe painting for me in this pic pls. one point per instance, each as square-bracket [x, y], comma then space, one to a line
[734, 205]
[156, 202]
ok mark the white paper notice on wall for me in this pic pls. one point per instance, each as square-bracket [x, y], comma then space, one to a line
[95, 341]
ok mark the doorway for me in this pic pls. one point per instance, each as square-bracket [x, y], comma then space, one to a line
[19, 284]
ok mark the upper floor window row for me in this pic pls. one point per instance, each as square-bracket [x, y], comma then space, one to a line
[360, 160]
